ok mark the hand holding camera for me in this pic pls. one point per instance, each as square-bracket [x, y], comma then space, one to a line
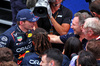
[49, 10]
[42, 9]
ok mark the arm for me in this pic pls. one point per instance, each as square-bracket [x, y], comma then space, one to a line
[55, 39]
[65, 16]
[61, 29]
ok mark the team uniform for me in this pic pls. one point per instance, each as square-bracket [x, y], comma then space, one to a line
[63, 15]
[17, 40]
[31, 59]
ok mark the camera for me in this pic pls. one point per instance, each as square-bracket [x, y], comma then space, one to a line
[40, 8]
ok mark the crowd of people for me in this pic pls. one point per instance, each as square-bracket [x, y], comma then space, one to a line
[45, 41]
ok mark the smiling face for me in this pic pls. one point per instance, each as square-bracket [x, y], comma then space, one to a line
[75, 26]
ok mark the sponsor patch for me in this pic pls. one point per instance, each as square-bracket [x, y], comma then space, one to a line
[31, 61]
[3, 43]
[19, 38]
[30, 35]
[19, 43]
[59, 16]
[4, 38]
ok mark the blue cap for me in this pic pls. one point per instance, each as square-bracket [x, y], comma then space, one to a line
[26, 14]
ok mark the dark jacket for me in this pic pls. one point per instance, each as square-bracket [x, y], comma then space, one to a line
[31, 59]
[15, 39]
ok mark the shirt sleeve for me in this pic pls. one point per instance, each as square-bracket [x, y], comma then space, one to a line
[63, 38]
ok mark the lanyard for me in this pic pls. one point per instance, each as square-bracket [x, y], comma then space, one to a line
[51, 29]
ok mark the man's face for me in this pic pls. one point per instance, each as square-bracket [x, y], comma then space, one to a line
[27, 25]
[75, 26]
[44, 61]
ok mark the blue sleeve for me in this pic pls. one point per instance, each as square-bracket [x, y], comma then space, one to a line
[4, 41]
[24, 62]
[63, 38]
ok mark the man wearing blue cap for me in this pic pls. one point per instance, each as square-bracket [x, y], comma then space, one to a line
[19, 37]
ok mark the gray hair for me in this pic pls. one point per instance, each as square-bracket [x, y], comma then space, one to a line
[94, 24]
[82, 17]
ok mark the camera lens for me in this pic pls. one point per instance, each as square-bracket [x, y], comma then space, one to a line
[41, 11]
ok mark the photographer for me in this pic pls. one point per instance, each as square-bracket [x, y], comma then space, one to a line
[58, 20]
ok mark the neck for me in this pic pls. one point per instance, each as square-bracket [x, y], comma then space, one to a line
[81, 37]
[23, 29]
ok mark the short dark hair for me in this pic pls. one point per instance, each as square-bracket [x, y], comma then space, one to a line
[95, 6]
[86, 58]
[40, 38]
[72, 45]
[54, 54]
[6, 54]
[94, 47]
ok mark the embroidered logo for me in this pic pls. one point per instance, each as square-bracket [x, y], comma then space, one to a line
[4, 38]
[30, 35]
[19, 38]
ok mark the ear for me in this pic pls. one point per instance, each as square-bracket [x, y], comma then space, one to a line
[21, 22]
[90, 32]
[52, 63]
[94, 14]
